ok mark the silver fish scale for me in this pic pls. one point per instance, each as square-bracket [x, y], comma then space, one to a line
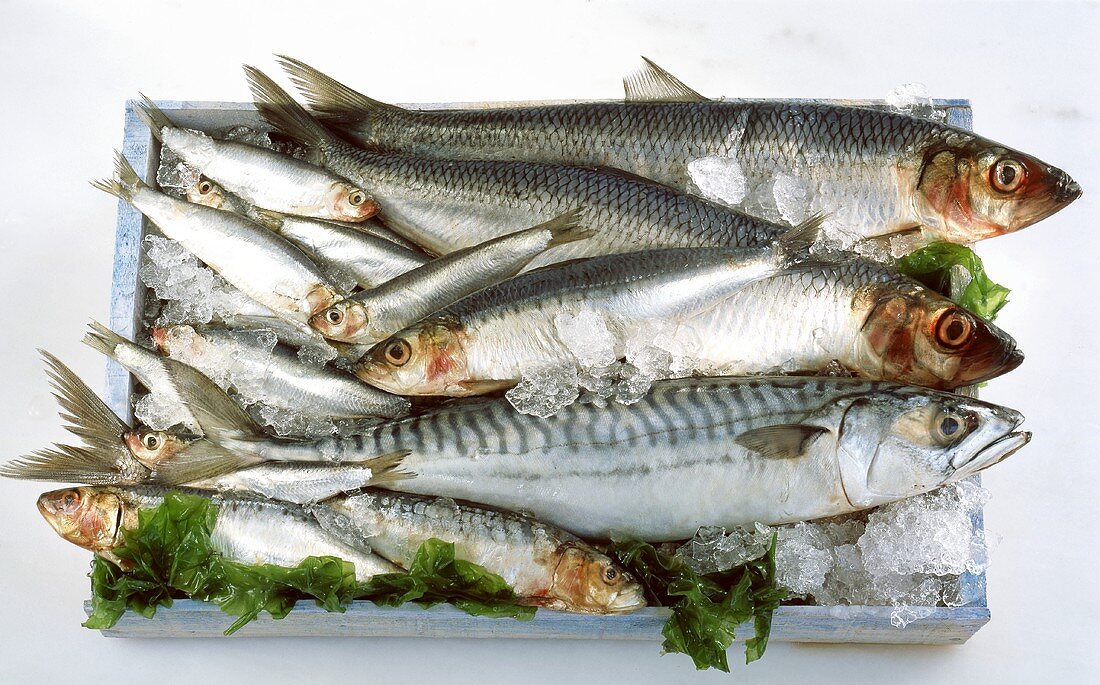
[657, 140]
[675, 413]
[626, 212]
[818, 277]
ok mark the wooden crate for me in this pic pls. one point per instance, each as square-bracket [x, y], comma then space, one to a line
[864, 624]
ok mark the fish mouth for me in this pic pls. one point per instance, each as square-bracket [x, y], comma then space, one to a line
[1065, 190]
[993, 453]
[990, 366]
[628, 599]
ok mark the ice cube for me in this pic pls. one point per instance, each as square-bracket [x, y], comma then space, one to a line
[714, 549]
[587, 337]
[160, 413]
[913, 99]
[174, 176]
[719, 178]
[802, 558]
[249, 136]
[793, 195]
[546, 391]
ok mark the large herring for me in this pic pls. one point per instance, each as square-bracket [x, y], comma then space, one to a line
[876, 173]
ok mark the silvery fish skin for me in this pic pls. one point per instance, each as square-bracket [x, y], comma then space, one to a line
[247, 530]
[445, 205]
[372, 315]
[366, 258]
[806, 317]
[264, 266]
[263, 177]
[694, 452]
[546, 567]
[277, 376]
[875, 172]
[294, 482]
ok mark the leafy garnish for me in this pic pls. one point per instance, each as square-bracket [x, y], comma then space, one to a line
[706, 609]
[932, 265]
[169, 556]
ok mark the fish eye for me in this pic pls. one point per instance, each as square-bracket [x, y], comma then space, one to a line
[151, 441]
[357, 198]
[610, 574]
[951, 426]
[70, 501]
[1007, 175]
[397, 352]
[953, 329]
[205, 187]
[334, 316]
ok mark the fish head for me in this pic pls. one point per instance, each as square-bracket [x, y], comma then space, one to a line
[905, 441]
[205, 192]
[89, 517]
[348, 202]
[914, 335]
[152, 447]
[345, 321]
[427, 359]
[970, 188]
[590, 582]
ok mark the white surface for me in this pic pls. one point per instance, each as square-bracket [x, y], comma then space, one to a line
[1031, 71]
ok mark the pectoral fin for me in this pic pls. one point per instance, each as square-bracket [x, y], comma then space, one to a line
[786, 441]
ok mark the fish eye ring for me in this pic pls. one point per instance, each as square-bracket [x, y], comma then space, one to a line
[1007, 175]
[334, 316]
[953, 329]
[398, 353]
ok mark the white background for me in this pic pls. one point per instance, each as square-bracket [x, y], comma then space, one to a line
[1030, 69]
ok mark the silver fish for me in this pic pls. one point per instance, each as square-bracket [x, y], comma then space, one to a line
[693, 452]
[446, 205]
[247, 530]
[263, 177]
[266, 267]
[276, 375]
[765, 317]
[372, 315]
[346, 252]
[877, 173]
[546, 567]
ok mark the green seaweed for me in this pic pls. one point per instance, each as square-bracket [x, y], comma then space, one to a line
[932, 266]
[706, 609]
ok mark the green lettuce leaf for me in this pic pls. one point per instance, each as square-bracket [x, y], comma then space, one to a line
[169, 556]
[932, 264]
[706, 609]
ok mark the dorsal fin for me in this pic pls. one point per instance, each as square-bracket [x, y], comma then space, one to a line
[651, 83]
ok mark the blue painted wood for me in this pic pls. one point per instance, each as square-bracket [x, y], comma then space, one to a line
[188, 618]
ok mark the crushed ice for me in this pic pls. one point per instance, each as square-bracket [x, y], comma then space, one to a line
[913, 99]
[909, 554]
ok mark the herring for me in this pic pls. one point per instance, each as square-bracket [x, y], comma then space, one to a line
[546, 566]
[262, 177]
[365, 254]
[734, 311]
[372, 315]
[266, 267]
[445, 204]
[877, 173]
[247, 530]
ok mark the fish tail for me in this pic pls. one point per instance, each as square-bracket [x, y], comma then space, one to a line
[332, 101]
[126, 181]
[65, 464]
[200, 460]
[103, 339]
[796, 243]
[282, 112]
[219, 418]
[88, 416]
[153, 116]
[567, 228]
[387, 468]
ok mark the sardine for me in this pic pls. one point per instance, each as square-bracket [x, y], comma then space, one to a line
[693, 452]
[365, 258]
[266, 267]
[446, 205]
[264, 178]
[276, 375]
[877, 173]
[546, 567]
[372, 315]
[807, 318]
[247, 530]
